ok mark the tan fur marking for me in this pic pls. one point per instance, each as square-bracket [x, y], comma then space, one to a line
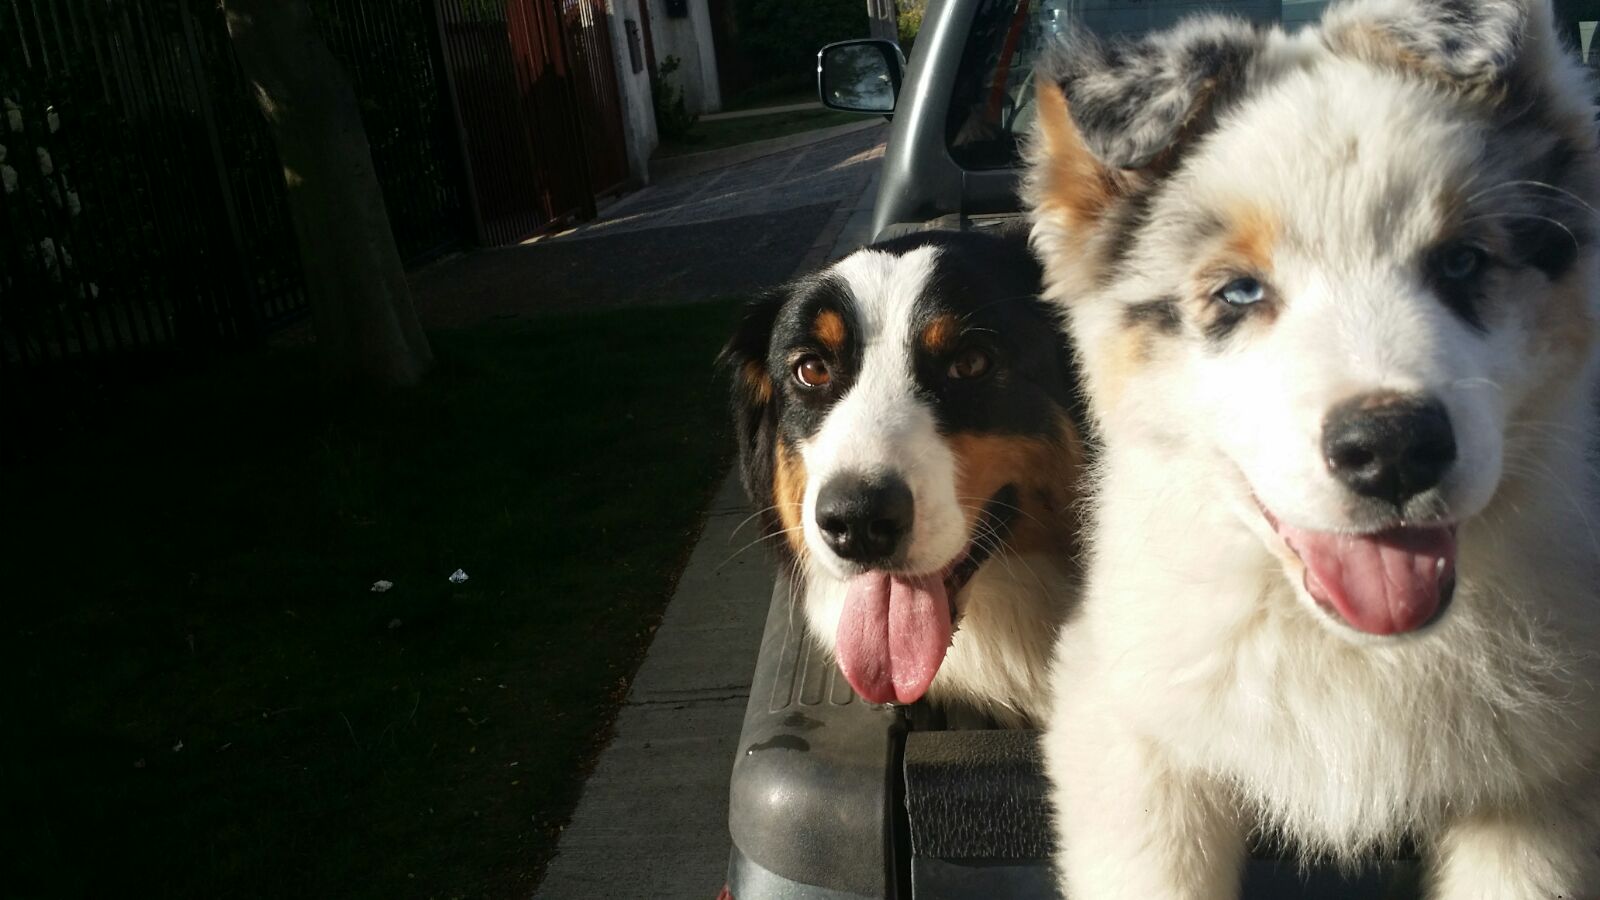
[940, 335]
[1252, 234]
[755, 376]
[1046, 473]
[1129, 351]
[1075, 184]
[788, 493]
[1072, 193]
[1246, 249]
[829, 329]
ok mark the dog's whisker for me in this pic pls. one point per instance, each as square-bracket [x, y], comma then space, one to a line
[1524, 215]
[1524, 182]
[765, 537]
[1019, 510]
[753, 516]
[1546, 424]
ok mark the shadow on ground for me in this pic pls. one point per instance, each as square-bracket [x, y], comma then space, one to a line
[660, 266]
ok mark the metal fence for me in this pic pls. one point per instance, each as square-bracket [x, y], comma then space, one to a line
[537, 96]
[390, 49]
[599, 105]
[142, 206]
[132, 172]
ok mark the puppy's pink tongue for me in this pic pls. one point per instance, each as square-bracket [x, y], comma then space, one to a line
[1385, 583]
[893, 635]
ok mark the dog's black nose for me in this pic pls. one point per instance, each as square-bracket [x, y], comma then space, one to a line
[865, 519]
[1389, 446]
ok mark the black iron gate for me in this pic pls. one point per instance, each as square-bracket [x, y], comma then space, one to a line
[132, 172]
[390, 49]
[599, 101]
[142, 206]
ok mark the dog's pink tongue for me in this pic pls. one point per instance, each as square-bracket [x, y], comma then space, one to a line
[893, 635]
[1385, 583]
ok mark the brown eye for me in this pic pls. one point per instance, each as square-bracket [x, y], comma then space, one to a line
[811, 371]
[969, 363]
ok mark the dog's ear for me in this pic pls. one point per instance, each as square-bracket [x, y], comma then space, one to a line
[1471, 44]
[1132, 100]
[1111, 120]
[754, 400]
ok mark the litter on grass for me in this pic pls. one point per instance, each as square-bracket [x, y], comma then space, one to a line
[379, 587]
[458, 576]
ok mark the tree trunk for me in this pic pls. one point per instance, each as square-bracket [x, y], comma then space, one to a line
[367, 332]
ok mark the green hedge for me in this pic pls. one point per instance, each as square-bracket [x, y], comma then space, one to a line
[781, 37]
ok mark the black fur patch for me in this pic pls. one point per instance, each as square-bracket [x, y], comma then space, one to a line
[1161, 314]
[754, 410]
[1124, 222]
[1225, 320]
[1549, 246]
[1548, 225]
[1464, 297]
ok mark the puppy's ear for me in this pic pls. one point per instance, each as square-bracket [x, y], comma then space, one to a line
[1471, 44]
[753, 399]
[1112, 119]
[1133, 100]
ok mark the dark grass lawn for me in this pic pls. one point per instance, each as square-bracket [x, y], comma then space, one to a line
[721, 133]
[205, 699]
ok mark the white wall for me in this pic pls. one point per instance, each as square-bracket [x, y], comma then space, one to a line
[689, 39]
[638, 115]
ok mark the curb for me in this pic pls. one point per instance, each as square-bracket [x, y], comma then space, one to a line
[695, 163]
[822, 248]
[761, 111]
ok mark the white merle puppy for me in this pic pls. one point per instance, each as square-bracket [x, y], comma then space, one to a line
[904, 425]
[1334, 297]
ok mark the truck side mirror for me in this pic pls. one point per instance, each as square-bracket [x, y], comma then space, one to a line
[860, 76]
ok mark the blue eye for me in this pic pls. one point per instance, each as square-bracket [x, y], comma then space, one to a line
[1460, 262]
[1242, 292]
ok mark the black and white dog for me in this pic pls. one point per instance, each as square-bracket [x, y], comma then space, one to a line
[905, 423]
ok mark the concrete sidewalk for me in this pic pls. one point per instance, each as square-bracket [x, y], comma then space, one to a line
[808, 168]
[653, 819]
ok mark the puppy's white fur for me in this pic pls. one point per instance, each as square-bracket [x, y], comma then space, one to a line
[1202, 694]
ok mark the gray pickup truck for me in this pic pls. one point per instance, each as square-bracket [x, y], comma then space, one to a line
[833, 798]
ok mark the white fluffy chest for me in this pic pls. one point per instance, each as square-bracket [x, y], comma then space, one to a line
[1343, 745]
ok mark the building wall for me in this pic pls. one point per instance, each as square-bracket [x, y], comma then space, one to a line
[638, 113]
[689, 39]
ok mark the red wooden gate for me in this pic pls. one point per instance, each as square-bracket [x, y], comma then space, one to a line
[535, 90]
[599, 103]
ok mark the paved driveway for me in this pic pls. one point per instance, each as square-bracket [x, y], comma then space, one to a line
[724, 232]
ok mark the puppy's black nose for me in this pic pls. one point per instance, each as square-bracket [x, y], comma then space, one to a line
[1388, 446]
[865, 519]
